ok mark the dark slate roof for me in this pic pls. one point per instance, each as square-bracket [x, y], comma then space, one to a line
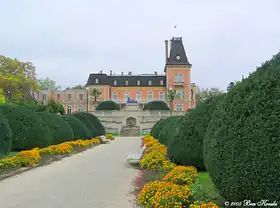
[177, 50]
[104, 79]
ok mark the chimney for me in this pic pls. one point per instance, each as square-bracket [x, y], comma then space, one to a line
[100, 71]
[155, 73]
[111, 72]
[129, 73]
[166, 51]
[122, 73]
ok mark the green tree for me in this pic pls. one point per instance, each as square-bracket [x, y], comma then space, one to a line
[205, 93]
[48, 84]
[2, 97]
[95, 93]
[17, 79]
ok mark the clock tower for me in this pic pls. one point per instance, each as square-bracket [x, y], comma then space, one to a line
[177, 72]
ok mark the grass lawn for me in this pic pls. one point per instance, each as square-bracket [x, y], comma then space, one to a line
[11, 154]
[146, 134]
[205, 191]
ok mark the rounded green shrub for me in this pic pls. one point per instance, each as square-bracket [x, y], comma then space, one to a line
[167, 127]
[97, 124]
[29, 131]
[5, 137]
[192, 132]
[84, 118]
[79, 129]
[61, 130]
[157, 128]
[241, 146]
[156, 105]
[108, 105]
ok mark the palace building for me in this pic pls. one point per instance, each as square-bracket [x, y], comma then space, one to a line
[143, 88]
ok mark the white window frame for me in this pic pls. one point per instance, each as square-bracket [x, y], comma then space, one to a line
[115, 82]
[138, 82]
[69, 109]
[115, 95]
[81, 108]
[179, 107]
[126, 95]
[161, 82]
[138, 96]
[96, 81]
[150, 82]
[161, 96]
[126, 82]
[150, 95]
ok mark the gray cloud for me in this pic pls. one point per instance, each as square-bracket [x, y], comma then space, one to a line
[67, 40]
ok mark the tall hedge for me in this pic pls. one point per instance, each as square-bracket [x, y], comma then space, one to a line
[108, 105]
[156, 105]
[84, 118]
[29, 131]
[191, 135]
[79, 129]
[242, 143]
[157, 127]
[97, 124]
[5, 137]
[60, 129]
[167, 127]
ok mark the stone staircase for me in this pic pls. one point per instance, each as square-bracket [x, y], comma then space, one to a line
[130, 131]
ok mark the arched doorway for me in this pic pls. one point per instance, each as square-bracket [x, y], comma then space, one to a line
[131, 122]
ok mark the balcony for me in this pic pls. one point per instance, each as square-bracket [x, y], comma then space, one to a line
[179, 83]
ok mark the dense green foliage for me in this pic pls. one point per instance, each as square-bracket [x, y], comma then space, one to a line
[60, 129]
[241, 146]
[97, 124]
[79, 129]
[156, 105]
[191, 135]
[108, 105]
[5, 137]
[167, 126]
[29, 131]
[84, 118]
[157, 128]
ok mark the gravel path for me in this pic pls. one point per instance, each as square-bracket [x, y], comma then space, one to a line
[96, 178]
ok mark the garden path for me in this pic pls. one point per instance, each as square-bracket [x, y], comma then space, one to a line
[96, 178]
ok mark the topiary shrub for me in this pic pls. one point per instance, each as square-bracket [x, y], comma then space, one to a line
[162, 137]
[5, 137]
[79, 129]
[61, 130]
[241, 146]
[173, 129]
[156, 105]
[157, 128]
[84, 118]
[97, 124]
[108, 105]
[192, 132]
[29, 131]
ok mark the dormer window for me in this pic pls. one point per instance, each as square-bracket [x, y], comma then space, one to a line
[126, 82]
[138, 82]
[161, 82]
[96, 81]
[150, 82]
[115, 82]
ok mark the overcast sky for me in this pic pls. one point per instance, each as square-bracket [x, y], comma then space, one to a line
[68, 39]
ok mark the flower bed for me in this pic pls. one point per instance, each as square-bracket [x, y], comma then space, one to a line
[172, 190]
[25, 160]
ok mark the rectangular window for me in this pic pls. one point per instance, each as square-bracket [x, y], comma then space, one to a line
[161, 95]
[69, 110]
[180, 107]
[115, 96]
[69, 97]
[150, 96]
[126, 96]
[138, 95]
[81, 97]
[161, 82]
[81, 108]
[44, 97]
[58, 97]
